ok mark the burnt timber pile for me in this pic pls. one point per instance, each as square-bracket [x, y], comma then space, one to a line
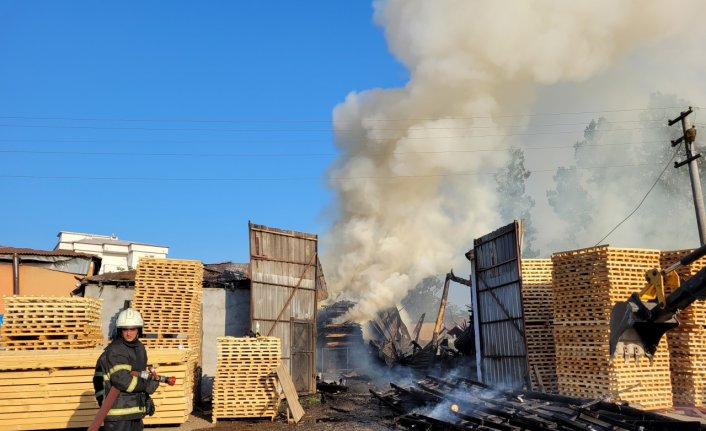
[461, 404]
[338, 342]
[391, 340]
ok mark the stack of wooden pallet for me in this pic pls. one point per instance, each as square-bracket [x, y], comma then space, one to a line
[687, 343]
[587, 283]
[43, 323]
[168, 294]
[539, 316]
[245, 384]
[54, 389]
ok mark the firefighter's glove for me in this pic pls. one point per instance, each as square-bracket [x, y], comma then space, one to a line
[151, 386]
[149, 406]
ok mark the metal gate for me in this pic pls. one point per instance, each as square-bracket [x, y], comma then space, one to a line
[497, 308]
[302, 355]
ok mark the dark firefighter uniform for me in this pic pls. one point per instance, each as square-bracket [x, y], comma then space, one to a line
[113, 369]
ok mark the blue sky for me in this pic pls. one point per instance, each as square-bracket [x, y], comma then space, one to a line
[175, 123]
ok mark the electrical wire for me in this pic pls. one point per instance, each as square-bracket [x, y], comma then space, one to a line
[235, 179]
[243, 155]
[669, 162]
[187, 120]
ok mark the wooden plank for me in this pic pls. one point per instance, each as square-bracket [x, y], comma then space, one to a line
[290, 393]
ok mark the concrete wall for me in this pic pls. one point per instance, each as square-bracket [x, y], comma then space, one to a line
[225, 313]
[113, 301]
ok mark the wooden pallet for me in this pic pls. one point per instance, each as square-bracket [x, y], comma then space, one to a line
[44, 323]
[54, 390]
[538, 306]
[245, 384]
[586, 285]
[168, 293]
[687, 343]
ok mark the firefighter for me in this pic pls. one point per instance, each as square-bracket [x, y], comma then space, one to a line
[125, 354]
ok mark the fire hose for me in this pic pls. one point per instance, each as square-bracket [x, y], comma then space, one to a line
[114, 392]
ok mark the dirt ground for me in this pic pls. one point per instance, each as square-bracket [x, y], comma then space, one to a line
[355, 410]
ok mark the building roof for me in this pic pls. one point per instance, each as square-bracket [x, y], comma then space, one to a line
[213, 273]
[99, 241]
[33, 252]
[128, 276]
[229, 270]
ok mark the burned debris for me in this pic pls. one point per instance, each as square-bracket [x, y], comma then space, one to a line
[462, 404]
[391, 342]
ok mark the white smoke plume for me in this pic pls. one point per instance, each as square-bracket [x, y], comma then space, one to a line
[413, 183]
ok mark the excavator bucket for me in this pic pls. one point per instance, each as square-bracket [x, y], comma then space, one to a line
[635, 328]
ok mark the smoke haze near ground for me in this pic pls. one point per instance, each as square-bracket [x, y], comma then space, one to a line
[414, 181]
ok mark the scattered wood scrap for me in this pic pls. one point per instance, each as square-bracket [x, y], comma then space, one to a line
[331, 387]
[437, 404]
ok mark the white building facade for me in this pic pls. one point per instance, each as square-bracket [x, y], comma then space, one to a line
[117, 255]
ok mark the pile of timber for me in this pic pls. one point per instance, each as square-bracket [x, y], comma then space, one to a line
[45, 323]
[338, 341]
[245, 385]
[168, 294]
[461, 404]
[53, 389]
[537, 301]
[687, 342]
[587, 283]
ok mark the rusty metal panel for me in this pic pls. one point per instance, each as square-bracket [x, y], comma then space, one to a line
[498, 310]
[284, 273]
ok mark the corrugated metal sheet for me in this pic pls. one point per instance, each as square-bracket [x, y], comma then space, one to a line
[498, 309]
[284, 272]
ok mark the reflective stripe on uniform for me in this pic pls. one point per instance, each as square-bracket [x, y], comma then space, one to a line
[133, 384]
[100, 393]
[98, 374]
[126, 411]
[119, 367]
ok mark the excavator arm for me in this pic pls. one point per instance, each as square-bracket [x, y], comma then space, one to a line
[638, 324]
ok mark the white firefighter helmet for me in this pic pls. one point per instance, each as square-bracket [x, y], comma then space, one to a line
[129, 318]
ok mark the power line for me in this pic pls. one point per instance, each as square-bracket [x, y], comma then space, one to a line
[238, 179]
[641, 201]
[465, 136]
[295, 154]
[232, 121]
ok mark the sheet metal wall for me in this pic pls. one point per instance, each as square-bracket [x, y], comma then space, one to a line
[283, 264]
[502, 349]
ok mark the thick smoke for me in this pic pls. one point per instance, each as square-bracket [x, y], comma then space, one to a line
[414, 183]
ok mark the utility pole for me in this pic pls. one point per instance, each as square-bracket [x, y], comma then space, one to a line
[688, 137]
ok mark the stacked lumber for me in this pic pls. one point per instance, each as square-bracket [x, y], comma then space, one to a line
[587, 283]
[245, 384]
[53, 389]
[537, 302]
[168, 294]
[687, 343]
[44, 323]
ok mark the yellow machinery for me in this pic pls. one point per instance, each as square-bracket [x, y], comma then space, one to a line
[637, 325]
